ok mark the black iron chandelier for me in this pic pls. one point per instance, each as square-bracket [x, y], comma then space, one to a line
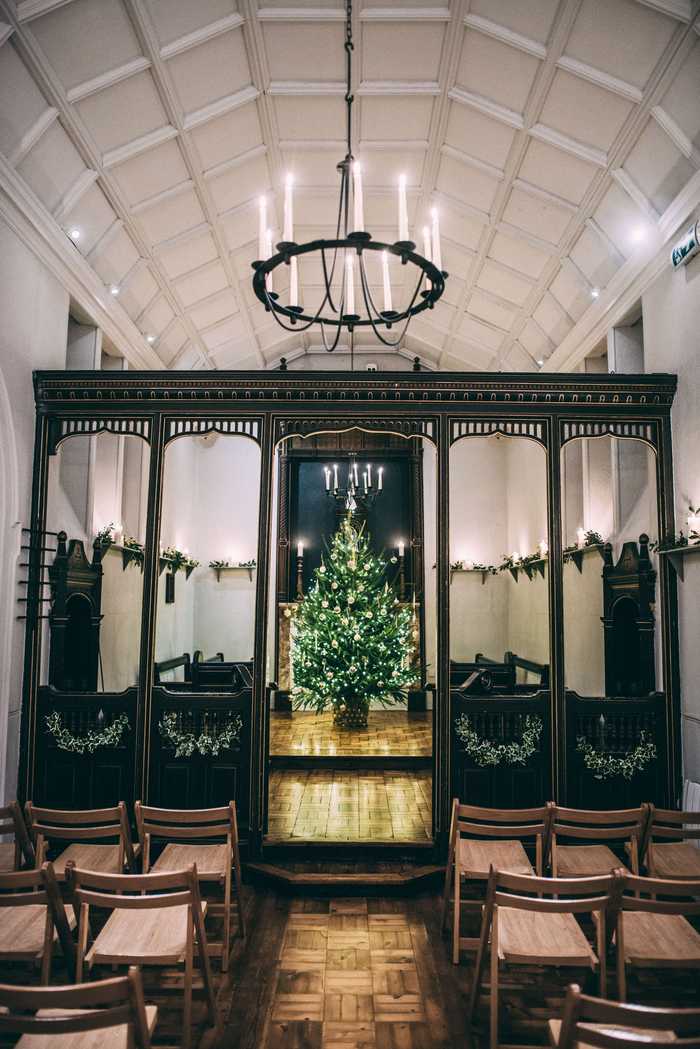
[341, 256]
[359, 493]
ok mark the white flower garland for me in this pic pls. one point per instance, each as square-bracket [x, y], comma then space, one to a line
[485, 752]
[605, 765]
[186, 743]
[106, 737]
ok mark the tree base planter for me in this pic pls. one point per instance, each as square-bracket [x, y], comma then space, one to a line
[351, 716]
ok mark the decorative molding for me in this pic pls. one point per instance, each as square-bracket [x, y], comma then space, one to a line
[108, 79]
[316, 145]
[198, 427]
[544, 194]
[398, 87]
[531, 428]
[680, 9]
[545, 246]
[486, 106]
[473, 162]
[459, 205]
[679, 138]
[6, 32]
[28, 9]
[601, 79]
[640, 431]
[506, 36]
[300, 14]
[235, 162]
[112, 157]
[219, 107]
[627, 183]
[681, 208]
[183, 237]
[82, 184]
[403, 426]
[30, 137]
[569, 145]
[405, 14]
[160, 198]
[306, 87]
[609, 245]
[104, 241]
[201, 36]
[80, 426]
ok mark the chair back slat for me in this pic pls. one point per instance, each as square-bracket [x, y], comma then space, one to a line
[476, 813]
[80, 825]
[626, 1026]
[528, 830]
[123, 884]
[123, 902]
[177, 833]
[12, 822]
[583, 893]
[602, 825]
[642, 894]
[71, 817]
[150, 812]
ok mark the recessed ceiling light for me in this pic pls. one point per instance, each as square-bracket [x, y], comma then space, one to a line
[540, 363]
[150, 338]
[595, 292]
[74, 234]
[114, 290]
[638, 234]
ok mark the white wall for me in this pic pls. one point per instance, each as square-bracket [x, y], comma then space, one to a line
[34, 311]
[671, 311]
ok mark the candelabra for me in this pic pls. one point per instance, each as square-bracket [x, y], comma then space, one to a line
[360, 491]
[300, 570]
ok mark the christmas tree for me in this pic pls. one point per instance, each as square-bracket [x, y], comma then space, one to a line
[352, 640]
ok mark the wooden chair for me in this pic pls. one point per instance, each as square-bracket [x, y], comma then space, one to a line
[216, 860]
[19, 852]
[525, 930]
[623, 826]
[653, 933]
[156, 920]
[495, 839]
[667, 851]
[33, 919]
[594, 1023]
[86, 830]
[108, 1014]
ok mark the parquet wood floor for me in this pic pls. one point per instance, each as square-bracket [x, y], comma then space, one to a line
[390, 732]
[334, 805]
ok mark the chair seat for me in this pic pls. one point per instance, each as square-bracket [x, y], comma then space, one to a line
[476, 857]
[211, 860]
[7, 856]
[142, 937]
[586, 861]
[22, 932]
[676, 859]
[660, 940]
[105, 1038]
[554, 1030]
[102, 858]
[535, 938]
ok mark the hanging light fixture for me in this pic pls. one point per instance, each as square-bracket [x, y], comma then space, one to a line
[346, 296]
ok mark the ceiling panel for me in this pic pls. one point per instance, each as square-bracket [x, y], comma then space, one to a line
[681, 99]
[211, 71]
[537, 216]
[28, 103]
[584, 111]
[152, 172]
[231, 135]
[396, 117]
[556, 171]
[478, 135]
[496, 71]
[310, 51]
[658, 167]
[177, 18]
[401, 50]
[624, 38]
[123, 112]
[532, 19]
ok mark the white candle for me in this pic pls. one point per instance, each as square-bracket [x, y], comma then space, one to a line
[380, 481]
[350, 284]
[335, 476]
[268, 255]
[580, 537]
[426, 250]
[515, 556]
[293, 282]
[693, 522]
[364, 480]
[354, 468]
[300, 549]
[386, 282]
[402, 548]
[357, 197]
[328, 479]
[288, 209]
[543, 548]
[262, 228]
[403, 210]
[437, 253]
[369, 475]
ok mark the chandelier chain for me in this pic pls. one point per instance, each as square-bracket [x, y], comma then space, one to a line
[349, 48]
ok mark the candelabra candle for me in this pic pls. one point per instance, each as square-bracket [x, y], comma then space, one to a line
[268, 254]
[335, 477]
[403, 210]
[293, 282]
[402, 549]
[580, 538]
[364, 480]
[328, 478]
[369, 475]
[386, 282]
[380, 478]
[350, 285]
[354, 468]
[300, 549]
[300, 571]
[357, 198]
[262, 229]
[288, 234]
[436, 255]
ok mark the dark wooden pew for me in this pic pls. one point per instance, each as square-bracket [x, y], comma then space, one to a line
[172, 664]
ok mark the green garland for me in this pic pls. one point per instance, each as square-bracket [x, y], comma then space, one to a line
[485, 752]
[106, 737]
[186, 743]
[604, 765]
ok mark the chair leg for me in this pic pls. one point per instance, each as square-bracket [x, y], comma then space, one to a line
[446, 892]
[187, 1003]
[493, 995]
[456, 923]
[226, 945]
[48, 949]
[238, 886]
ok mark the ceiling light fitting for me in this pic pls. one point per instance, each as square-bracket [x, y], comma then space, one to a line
[347, 301]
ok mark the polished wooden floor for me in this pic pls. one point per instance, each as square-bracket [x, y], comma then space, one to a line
[390, 732]
[332, 805]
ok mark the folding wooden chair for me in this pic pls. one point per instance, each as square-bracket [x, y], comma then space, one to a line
[484, 838]
[156, 920]
[668, 851]
[86, 830]
[33, 919]
[109, 1014]
[594, 1023]
[654, 933]
[522, 928]
[19, 852]
[622, 826]
[195, 836]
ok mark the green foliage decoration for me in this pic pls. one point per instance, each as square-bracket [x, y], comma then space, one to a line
[186, 743]
[484, 752]
[604, 765]
[92, 740]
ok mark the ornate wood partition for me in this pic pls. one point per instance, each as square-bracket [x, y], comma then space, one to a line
[267, 407]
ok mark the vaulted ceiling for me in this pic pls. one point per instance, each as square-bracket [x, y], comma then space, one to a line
[560, 140]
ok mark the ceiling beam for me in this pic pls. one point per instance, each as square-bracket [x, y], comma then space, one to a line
[201, 36]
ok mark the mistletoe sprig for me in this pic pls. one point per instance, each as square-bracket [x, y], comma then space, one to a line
[92, 740]
[604, 765]
[186, 743]
[352, 638]
[484, 752]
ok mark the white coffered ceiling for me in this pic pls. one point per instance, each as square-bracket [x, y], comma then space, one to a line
[560, 140]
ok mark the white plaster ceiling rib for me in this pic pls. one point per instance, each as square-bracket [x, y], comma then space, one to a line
[48, 82]
[145, 32]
